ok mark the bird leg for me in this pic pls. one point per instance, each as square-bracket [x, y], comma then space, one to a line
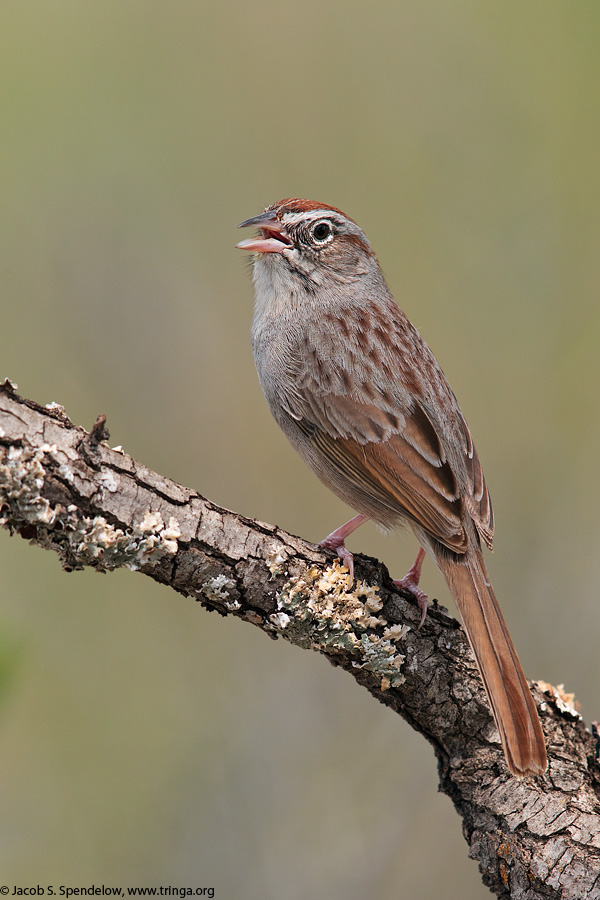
[410, 583]
[336, 542]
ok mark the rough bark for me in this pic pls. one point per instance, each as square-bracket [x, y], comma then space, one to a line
[66, 490]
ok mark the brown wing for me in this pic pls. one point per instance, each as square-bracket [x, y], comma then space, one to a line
[477, 496]
[387, 417]
[404, 473]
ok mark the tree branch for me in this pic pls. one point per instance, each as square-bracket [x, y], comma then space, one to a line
[66, 490]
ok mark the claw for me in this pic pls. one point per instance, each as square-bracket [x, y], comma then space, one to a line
[346, 558]
[410, 583]
[336, 542]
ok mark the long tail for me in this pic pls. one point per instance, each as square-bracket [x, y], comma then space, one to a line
[507, 689]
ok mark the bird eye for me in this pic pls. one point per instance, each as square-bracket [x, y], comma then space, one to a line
[322, 231]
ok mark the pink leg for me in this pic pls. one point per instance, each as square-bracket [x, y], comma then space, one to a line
[410, 583]
[336, 542]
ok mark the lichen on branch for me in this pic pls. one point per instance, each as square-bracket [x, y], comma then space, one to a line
[68, 491]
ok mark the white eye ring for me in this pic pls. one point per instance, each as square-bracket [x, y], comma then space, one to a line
[322, 231]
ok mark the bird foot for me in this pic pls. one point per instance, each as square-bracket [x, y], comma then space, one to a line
[336, 542]
[346, 558]
[410, 583]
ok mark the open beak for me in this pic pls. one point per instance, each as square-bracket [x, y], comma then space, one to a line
[274, 236]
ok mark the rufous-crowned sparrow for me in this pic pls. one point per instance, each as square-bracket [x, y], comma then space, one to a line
[363, 400]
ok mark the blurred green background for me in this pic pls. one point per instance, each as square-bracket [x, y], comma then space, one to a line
[142, 740]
